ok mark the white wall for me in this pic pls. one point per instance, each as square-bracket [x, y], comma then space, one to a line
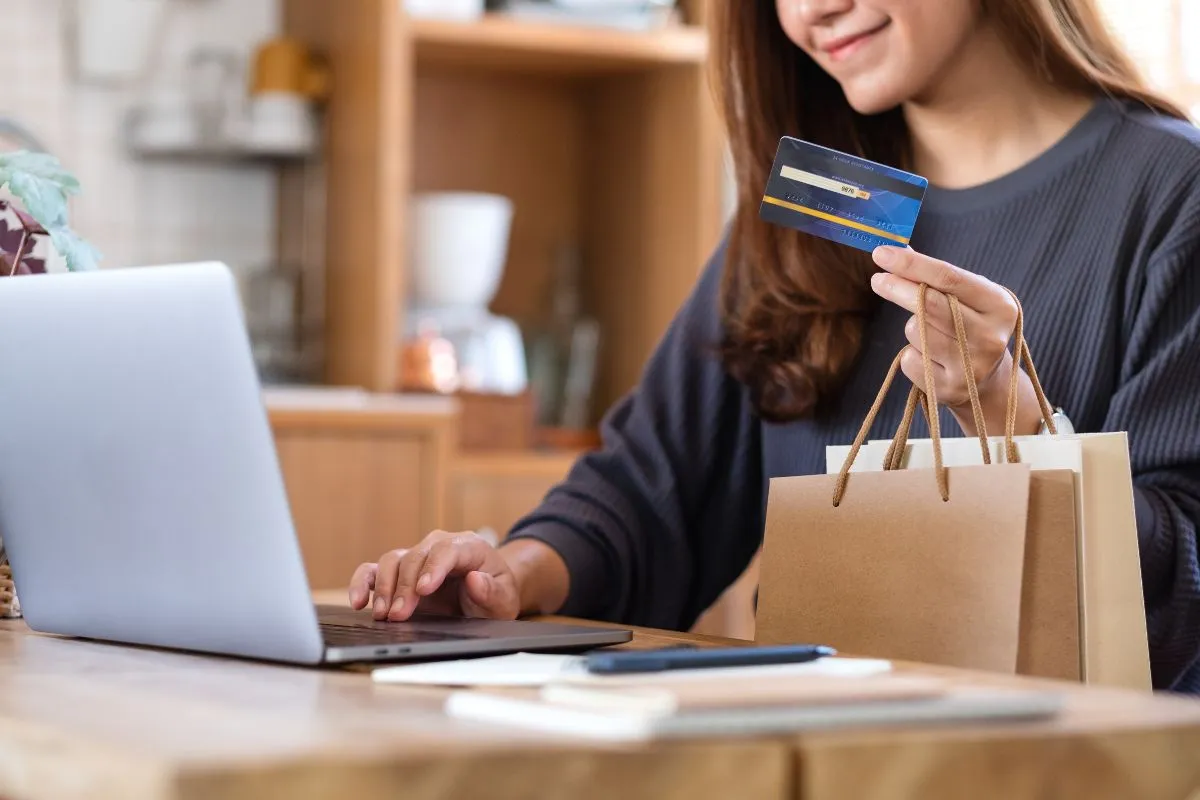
[138, 212]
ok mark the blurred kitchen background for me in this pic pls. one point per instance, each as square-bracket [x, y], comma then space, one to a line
[151, 103]
[460, 226]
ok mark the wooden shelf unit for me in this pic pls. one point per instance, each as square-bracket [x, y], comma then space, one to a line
[604, 139]
[510, 46]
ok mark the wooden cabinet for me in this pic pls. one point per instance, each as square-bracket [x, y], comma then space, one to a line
[377, 473]
[363, 478]
[494, 491]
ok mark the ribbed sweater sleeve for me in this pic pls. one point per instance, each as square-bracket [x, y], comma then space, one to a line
[1158, 403]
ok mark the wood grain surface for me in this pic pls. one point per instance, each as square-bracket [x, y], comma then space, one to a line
[1107, 743]
[92, 720]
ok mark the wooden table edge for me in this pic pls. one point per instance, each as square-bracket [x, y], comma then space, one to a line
[815, 764]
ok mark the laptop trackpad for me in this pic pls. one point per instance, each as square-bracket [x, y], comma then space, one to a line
[460, 626]
[457, 626]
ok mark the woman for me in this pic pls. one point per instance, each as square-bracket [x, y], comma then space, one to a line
[1052, 172]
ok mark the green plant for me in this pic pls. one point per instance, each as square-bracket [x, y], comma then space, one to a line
[40, 184]
[43, 187]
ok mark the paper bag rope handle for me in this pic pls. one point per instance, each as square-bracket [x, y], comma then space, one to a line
[839, 490]
[1021, 355]
[895, 453]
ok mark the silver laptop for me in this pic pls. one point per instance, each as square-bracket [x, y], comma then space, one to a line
[140, 496]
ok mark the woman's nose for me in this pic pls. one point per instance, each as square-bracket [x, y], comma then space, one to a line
[815, 12]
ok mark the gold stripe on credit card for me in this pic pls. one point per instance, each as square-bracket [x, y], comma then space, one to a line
[849, 223]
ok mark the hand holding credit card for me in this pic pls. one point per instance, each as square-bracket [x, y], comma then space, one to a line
[874, 207]
[840, 197]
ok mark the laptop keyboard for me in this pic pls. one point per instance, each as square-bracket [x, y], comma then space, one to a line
[350, 635]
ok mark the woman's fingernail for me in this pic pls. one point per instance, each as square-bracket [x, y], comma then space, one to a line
[878, 281]
[380, 605]
[423, 581]
[884, 256]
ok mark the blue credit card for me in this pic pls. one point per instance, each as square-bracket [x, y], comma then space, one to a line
[840, 197]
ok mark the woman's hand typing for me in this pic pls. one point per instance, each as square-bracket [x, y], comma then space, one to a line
[461, 574]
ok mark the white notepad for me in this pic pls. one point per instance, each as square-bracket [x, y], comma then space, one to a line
[540, 669]
[617, 721]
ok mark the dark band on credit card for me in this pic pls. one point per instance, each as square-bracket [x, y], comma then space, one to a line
[841, 197]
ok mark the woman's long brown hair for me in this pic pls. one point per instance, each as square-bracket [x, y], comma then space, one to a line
[795, 307]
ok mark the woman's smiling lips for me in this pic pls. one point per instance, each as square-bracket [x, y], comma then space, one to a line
[845, 46]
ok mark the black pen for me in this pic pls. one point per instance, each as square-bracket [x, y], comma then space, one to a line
[691, 657]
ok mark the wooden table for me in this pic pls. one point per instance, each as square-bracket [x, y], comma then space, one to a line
[90, 720]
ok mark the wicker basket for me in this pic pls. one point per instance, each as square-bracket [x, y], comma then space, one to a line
[9, 607]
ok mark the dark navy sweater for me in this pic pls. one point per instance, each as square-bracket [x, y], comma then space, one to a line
[1099, 236]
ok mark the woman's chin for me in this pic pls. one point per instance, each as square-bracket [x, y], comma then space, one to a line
[872, 97]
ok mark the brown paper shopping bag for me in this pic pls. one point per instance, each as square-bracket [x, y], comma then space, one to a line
[1049, 634]
[910, 564]
[1082, 614]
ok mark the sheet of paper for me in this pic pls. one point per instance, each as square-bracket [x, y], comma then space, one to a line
[518, 669]
[539, 669]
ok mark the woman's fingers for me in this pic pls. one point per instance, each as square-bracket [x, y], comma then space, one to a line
[490, 596]
[905, 293]
[457, 555]
[913, 367]
[362, 583]
[405, 600]
[386, 578]
[488, 588]
[447, 572]
[989, 315]
[973, 290]
[938, 317]
[945, 352]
